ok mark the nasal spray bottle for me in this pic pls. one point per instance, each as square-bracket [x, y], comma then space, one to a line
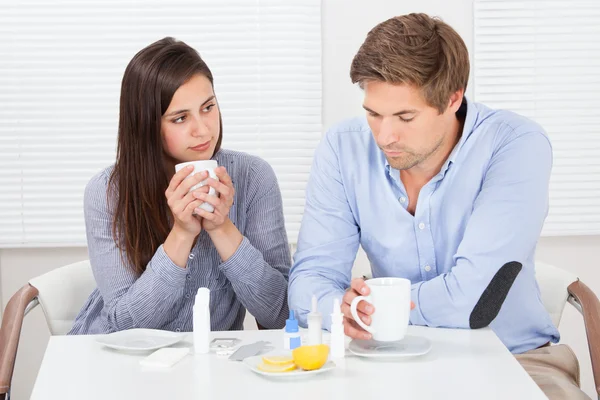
[315, 325]
[338, 346]
[201, 320]
[291, 336]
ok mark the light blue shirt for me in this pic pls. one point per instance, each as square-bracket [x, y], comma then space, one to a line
[484, 208]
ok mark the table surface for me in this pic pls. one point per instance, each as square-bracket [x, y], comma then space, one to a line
[462, 364]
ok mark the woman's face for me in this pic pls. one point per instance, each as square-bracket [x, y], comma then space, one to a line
[190, 126]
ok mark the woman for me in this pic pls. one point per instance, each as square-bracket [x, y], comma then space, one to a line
[150, 245]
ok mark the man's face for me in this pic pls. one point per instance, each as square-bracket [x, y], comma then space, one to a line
[407, 129]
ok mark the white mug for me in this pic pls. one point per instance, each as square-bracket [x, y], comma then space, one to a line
[200, 166]
[391, 299]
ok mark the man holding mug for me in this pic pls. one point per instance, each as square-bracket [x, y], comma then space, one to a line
[444, 192]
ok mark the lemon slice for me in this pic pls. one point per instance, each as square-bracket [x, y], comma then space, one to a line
[276, 368]
[278, 360]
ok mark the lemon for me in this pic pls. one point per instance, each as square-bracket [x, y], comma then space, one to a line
[311, 357]
[276, 368]
[278, 360]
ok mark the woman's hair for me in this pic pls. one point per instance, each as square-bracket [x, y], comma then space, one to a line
[138, 182]
[417, 50]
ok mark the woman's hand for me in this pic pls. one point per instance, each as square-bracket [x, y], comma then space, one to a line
[222, 202]
[182, 202]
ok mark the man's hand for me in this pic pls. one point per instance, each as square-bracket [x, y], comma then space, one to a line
[358, 287]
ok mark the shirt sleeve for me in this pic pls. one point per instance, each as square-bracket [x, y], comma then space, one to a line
[328, 240]
[259, 269]
[505, 225]
[130, 301]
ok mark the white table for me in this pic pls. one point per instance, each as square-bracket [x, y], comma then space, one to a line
[463, 364]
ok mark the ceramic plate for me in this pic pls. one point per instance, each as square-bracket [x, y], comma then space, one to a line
[410, 346]
[253, 362]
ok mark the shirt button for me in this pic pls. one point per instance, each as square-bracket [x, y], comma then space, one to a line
[178, 330]
[191, 256]
[427, 268]
[188, 277]
[187, 296]
[421, 226]
[402, 199]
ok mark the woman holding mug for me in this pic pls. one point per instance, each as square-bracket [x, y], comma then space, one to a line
[151, 244]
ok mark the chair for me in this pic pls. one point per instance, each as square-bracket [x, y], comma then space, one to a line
[557, 287]
[60, 293]
[10, 332]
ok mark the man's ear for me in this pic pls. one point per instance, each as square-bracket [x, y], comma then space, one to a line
[455, 101]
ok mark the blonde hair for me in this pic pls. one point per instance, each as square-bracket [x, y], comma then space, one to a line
[418, 50]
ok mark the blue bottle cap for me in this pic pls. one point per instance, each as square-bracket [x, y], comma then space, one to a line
[291, 324]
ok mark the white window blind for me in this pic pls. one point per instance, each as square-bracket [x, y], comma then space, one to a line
[62, 64]
[541, 59]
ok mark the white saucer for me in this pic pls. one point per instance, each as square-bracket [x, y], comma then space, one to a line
[253, 362]
[140, 339]
[410, 346]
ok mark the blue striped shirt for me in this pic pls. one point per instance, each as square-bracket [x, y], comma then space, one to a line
[484, 208]
[253, 279]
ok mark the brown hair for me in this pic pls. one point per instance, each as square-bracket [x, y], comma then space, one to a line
[414, 49]
[138, 182]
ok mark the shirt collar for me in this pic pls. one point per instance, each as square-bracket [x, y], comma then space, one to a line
[470, 109]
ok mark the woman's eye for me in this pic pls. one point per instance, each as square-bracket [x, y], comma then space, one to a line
[208, 108]
[179, 119]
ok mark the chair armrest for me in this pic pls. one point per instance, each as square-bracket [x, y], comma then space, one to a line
[32, 304]
[588, 304]
[12, 320]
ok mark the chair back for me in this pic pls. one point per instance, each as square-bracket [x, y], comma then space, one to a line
[553, 283]
[62, 293]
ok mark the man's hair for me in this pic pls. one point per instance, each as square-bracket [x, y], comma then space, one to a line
[417, 50]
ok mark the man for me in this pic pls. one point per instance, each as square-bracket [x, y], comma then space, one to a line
[437, 189]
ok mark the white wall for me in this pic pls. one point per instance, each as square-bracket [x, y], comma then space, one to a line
[345, 23]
